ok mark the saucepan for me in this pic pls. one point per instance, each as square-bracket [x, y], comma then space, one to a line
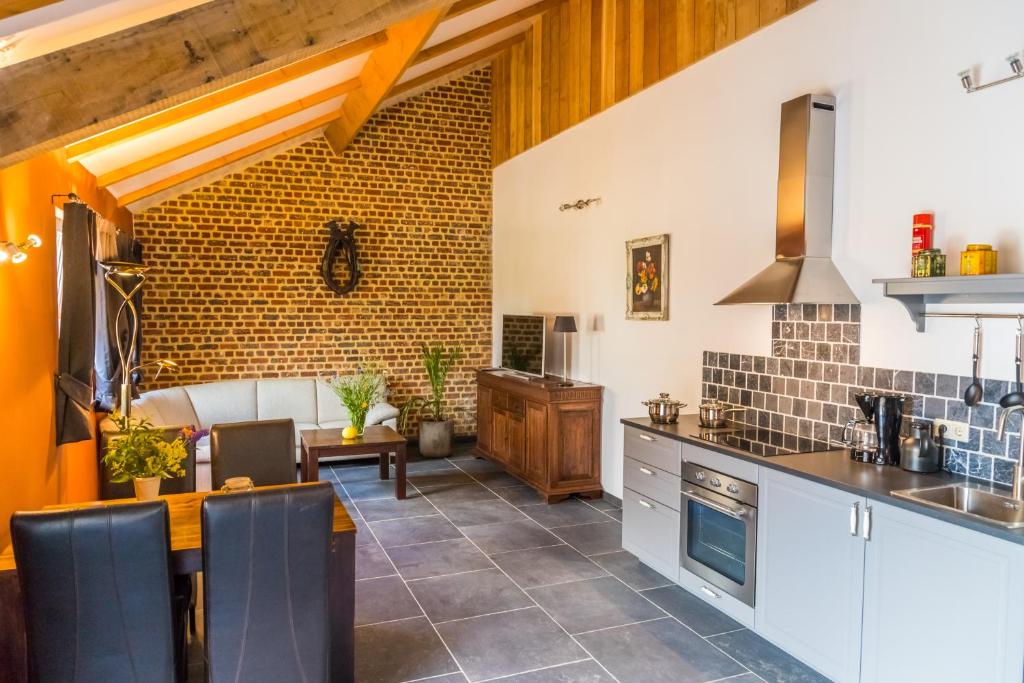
[712, 413]
[664, 410]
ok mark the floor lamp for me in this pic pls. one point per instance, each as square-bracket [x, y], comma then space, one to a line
[118, 274]
[566, 324]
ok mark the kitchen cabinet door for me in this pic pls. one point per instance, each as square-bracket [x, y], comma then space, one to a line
[650, 530]
[941, 603]
[810, 573]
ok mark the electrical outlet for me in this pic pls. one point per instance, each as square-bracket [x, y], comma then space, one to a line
[955, 431]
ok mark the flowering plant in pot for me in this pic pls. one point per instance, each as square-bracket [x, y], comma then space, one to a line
[141, 454]
[436, 425]
[359, 393]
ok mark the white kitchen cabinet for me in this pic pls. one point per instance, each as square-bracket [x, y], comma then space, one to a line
[942, 604]
[810, 573]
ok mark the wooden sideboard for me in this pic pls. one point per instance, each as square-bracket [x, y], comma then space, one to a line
[546, 434]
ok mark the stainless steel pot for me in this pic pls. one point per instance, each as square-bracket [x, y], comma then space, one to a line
[664, 410]
[712, 413]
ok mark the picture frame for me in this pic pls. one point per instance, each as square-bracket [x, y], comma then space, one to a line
[647, 278]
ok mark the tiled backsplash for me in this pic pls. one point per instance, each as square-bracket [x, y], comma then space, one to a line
[807, 386]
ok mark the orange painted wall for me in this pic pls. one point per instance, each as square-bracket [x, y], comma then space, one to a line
[33, 472]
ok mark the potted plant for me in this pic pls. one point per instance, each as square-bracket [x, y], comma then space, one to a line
[140, 454]
[359, 393]
[436, 425]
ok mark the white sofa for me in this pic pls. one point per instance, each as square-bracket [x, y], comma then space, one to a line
[306, 400]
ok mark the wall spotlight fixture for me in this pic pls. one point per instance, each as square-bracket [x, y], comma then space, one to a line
[580, 204]
[17, 252]
[1016, 66]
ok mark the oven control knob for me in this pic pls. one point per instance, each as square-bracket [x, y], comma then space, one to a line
[716, 482]
[732, 488]
[701, 476]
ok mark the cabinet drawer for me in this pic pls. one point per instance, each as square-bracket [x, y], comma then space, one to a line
[650, 531]
[516, 404]
[652, 449]
[499, 400]
[651, 482]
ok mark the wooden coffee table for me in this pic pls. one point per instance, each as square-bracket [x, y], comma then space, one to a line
[327, 443]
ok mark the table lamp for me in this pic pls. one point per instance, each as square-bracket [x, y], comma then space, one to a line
[566, 324]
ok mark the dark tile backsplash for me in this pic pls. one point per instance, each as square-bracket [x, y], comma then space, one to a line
[807, 385]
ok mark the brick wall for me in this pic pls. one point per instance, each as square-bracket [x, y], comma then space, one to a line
[235, 289]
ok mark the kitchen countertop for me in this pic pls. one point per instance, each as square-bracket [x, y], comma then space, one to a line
[836, 469]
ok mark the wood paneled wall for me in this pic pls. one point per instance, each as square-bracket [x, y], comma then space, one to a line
[585, 55]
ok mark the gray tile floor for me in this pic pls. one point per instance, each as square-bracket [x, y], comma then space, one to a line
[472, 578]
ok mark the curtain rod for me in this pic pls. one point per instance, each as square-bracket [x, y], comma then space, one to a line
[1003, 316]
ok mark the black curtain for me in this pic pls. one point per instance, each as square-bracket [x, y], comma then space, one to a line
[76, 345]
[109, 329]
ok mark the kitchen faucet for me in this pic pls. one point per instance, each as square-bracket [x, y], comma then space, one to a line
[1018, 467]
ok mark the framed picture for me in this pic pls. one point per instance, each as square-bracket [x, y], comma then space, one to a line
[647, 278]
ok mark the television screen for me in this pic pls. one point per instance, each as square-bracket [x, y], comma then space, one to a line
[522, 343]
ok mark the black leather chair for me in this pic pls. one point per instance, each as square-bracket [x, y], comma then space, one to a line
[96, 585]
[187, 484]
[266, 559]
[264, 451]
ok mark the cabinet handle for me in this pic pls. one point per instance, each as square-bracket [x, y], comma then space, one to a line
[645, 437]
[867, 522]
[854, 515]
[707, 591]
[649, 473]
[645, 504]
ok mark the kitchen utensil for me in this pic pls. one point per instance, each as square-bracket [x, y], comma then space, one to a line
[712, 413]
[664, 410]
[862, 440]
[918, 451]
[974, 392]
[885, 411]
[1016, 397]
[866, 401]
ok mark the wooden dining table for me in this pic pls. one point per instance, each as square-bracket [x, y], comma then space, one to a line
[184, 510]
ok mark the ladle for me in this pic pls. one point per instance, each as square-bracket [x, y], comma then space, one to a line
[974, 392]
[1016, 397]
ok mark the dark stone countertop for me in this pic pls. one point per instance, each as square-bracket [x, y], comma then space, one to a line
[836, 469]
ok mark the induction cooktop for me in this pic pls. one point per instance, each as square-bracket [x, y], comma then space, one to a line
[764, 442]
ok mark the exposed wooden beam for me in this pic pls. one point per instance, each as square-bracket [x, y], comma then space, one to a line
[214, 164]
[250, 124]
[66, 96]
[463, 6]
[383, 68]
[438, 73]
[10, 8]
[232, 93]
[487, 29]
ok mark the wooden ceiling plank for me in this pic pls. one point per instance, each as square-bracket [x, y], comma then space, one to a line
[382, 70]
[478, 56]
[233, 93]
[68, 95]
[250, 124]
[214, 164]
[11, 8]
[487, 29]
[463, 6]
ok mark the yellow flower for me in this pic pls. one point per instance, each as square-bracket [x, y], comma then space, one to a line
[364, 405]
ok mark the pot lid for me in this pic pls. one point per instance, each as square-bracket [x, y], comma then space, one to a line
[714, 404]
[663, 399]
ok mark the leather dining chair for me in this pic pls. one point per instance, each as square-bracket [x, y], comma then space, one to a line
[96, 586]
[262, 450]
[266, 566]
[110, 490]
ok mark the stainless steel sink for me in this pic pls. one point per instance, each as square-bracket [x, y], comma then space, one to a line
[973, 502]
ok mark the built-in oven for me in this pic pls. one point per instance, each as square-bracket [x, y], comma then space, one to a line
[718, 530]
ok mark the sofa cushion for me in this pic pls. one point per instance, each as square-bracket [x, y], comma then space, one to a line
[291, 398]
[223, 402]
[328, 405]
[165, 407]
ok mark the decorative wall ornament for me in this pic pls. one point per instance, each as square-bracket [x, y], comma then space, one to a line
[342, 241]
[580, 204]
[647, 278]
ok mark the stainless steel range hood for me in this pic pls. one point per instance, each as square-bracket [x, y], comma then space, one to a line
[803, 272]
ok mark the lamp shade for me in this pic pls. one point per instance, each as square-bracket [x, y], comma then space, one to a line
[565, 323]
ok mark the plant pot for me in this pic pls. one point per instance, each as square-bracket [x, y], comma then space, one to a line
[436, 438]
[147, 488]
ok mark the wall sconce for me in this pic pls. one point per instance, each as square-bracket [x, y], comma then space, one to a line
[17, 252]
[580, 204]
[1016, 66]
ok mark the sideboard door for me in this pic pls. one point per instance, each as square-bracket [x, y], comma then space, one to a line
[484, 419]
[575, 453]
[535, 466]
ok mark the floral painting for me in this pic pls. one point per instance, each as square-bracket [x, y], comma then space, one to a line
[647, 278]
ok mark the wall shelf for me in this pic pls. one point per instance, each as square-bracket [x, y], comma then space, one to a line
[917, 293]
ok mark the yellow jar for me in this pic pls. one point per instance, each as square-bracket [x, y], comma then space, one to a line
[979, 259]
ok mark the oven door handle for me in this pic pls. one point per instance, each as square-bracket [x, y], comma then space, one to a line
[718, 507]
